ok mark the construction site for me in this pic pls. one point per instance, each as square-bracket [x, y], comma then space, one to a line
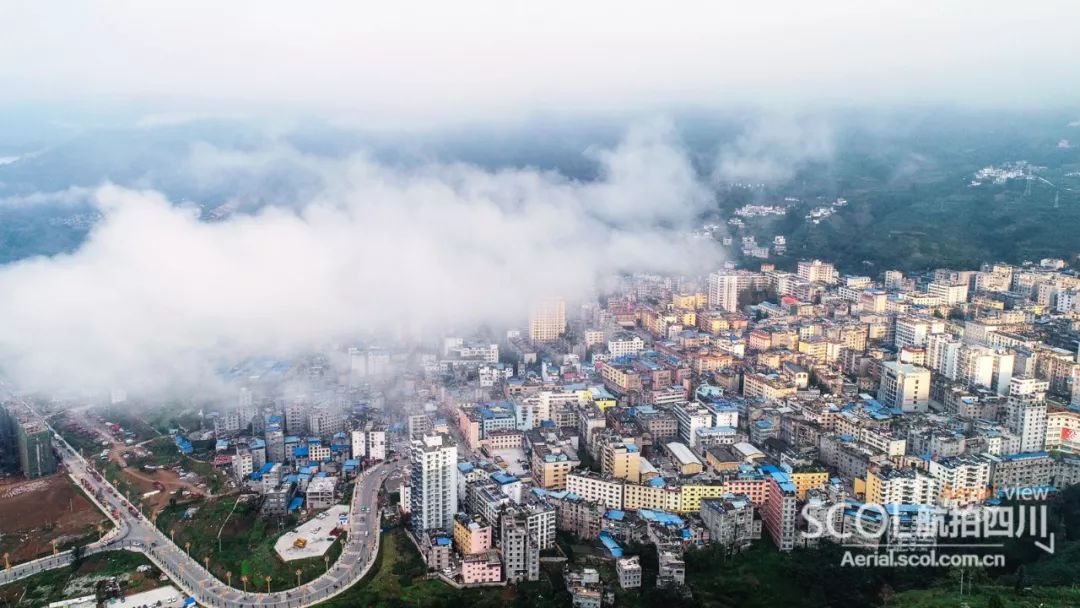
[40, 514]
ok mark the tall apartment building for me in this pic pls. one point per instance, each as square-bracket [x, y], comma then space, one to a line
[229, 423]
[275, 445]
[1026, 416]
[619, 459]
[36, 457]
[547, 320]
[943, 354]
[1023, 470]
[890, 486]
[730, 521]
[419, 425]
[950, 294]
[779, 514]
[1026, 387]
[433, 484]
[594, 488]
[986, 367]
[369, 444]
[963, 481]
[243, 463]
[540, 519]
[724, 290]
[520, 550]
[625, 344]
[325, 421]
[914, 330]
[552, 458]
[816, 271]
[692, 416]
[894, 279]
[296, 417]
[9, 442]
[904, 386]
[376, 444]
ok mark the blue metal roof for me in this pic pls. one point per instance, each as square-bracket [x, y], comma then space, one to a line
[661, 517]
[612, 546]
[504, 478]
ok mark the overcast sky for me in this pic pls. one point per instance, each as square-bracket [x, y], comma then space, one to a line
[155, 298]
[435, 61]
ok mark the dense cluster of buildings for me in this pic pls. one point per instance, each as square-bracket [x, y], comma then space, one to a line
[725, 409]
[296, 450]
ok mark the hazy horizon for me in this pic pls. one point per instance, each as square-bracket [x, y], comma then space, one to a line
[188, 186]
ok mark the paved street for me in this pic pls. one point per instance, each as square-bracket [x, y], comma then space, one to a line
[135, 533]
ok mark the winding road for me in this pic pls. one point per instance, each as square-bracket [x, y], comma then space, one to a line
[133, 532]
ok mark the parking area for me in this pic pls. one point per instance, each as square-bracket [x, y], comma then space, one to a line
[167, 596]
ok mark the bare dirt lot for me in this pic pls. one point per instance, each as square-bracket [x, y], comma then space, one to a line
[35, 513]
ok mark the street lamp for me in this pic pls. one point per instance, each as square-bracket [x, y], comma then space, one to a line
[326, 558]
[206, 562]
[228, 578]
[244, 579]
[268, 579]
[298, 573]
[187, 547]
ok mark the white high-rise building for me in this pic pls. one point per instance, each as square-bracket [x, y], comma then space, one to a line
[369, 444]
[1028, 387]
[692, 416]
[817, 271]
[915, 330]
[625, 344]
[376, 445]
[1025, 413]
[724, 290]
[1067, 300]
[433, 484]
[943, 354]
[986, 367]
[904, 386]
[951, 294]
[359, 444]
[1027, 418]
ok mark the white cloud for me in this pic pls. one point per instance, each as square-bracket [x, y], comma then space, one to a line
[773, 149]
[178, 118]
[69, 196]
[155, 297]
